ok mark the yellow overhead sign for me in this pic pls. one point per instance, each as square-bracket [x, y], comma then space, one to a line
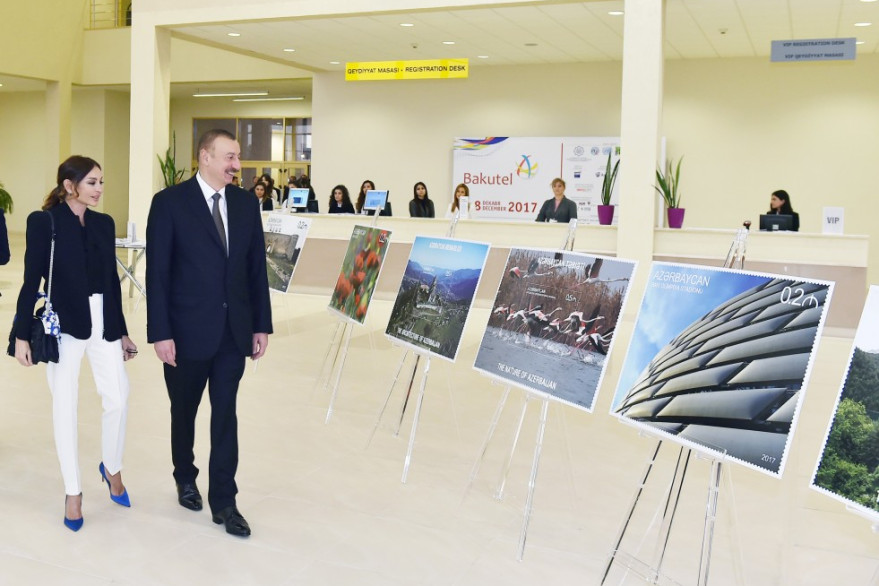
[422, 69]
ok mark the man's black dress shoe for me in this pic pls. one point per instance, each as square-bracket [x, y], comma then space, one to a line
[188, 496]
[234, 522]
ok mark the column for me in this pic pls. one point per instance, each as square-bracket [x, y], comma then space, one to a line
[59, 96]
[150, 112]
[640, 127]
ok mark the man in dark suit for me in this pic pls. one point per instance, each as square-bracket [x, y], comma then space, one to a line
[207, 309]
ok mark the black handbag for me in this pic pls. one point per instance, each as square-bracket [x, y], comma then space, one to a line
[45, 330]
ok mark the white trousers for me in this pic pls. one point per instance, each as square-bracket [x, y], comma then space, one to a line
[112, 384]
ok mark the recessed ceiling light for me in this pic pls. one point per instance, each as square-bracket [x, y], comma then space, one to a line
[229, 94]
[289, 50]
[287, 99]
[616, 12]
[868, 0]
[482, 56]
[1, 85]
[530, 44]
[859, 42]
[448, 42]
[233, 34]
[334, 62]
[863, 23]
[406, 24]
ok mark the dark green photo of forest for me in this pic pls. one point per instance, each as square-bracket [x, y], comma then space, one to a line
[850, 463]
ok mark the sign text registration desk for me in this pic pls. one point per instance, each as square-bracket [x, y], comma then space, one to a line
[842, 259]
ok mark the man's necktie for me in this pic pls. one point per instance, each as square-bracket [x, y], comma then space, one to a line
[218, 221]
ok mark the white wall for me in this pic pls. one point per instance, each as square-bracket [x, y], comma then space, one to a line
[747, 127]
[23, 160]
[398, 133]
[744, 126]
[99, 129]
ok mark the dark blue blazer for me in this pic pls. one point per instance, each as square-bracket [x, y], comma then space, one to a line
[70, 288]
[193, 288]
[4, 240]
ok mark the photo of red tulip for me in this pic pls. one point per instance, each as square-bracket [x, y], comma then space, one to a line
[360, 271]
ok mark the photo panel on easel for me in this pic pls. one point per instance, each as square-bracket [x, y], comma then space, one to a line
[719, 360]
[436, 294]
[848, 468]
[284, 236]
[552, 323]
[360, 270]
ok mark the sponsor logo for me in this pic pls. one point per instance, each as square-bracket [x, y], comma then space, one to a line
[526, 168]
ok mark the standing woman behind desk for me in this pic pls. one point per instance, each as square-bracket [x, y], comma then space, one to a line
[340, 201]
[421, 206]
[87, 297]
[779, 203]
[558, 208]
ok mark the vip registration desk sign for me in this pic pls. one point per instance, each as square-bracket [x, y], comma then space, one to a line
[421, 69]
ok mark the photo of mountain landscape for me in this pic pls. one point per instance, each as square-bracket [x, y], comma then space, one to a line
[436, 293]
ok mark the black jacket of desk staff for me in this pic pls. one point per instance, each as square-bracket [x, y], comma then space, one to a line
[70, 287]
[192, 286]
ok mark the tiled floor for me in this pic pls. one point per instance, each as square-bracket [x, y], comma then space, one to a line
[328, 508]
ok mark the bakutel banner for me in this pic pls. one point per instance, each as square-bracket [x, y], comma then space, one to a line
[509, 178]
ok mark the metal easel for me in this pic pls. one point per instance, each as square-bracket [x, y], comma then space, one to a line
[651, 570]
[341, 343]
[538, 447]
[450, 233]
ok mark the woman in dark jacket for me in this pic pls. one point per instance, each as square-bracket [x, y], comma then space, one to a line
[340, 201]
[558, 208]
[262, 193]
[779, 203]
[421, 206]
[87, 297]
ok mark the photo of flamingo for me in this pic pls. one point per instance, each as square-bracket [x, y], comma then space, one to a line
[359, 273]
[553, 320]
[436, 294]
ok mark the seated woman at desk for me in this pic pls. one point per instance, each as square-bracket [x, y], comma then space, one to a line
[261, 190]
[779, 203]
[340, 201]
[361, 200]
[421, 206]
[361, 195]
[558, 208]
[461, 190]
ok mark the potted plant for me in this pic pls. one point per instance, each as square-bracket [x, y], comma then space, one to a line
[5, 201]
[668, 186]
[605, 210]
[170, 174]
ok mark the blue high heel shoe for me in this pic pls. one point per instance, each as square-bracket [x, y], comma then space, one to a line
[122, 499]
[72, 524]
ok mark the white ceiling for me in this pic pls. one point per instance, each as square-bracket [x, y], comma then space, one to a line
[540, 33]
[544, 32]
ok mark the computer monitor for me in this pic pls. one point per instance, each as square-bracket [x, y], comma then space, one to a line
[776, 222]
[297, 198]
[375, 199]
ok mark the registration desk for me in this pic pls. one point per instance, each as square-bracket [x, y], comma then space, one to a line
[842, 259]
